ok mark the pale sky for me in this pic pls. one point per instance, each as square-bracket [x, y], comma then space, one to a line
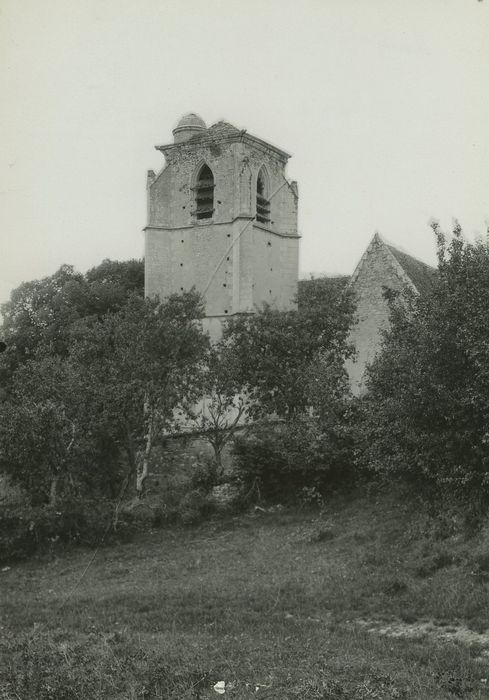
[383, 104]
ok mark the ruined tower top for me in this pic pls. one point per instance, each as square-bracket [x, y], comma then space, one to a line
[222, 218]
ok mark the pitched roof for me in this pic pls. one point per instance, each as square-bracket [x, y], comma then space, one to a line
[332, 281]
[219, 130]
[320, 291]
[420, 274]
[414, 271]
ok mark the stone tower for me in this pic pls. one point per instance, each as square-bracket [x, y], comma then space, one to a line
[222, 217]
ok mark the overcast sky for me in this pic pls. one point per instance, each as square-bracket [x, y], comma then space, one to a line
[383, 104]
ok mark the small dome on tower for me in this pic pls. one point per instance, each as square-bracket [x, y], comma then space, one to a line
[188, 126]
[191, 120]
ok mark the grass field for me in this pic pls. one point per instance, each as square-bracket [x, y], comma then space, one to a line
[276, 605]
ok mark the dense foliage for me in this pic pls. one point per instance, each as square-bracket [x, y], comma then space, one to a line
[38, 317]
[310, 450]
[96, 376]
[291, 365]
[275, 350]
[80, 421]
[425, 416]
[225, 406]
[141, 368]
[45, 440]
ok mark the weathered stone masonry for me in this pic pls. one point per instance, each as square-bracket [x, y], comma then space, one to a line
[381, 266]
[222, 217]
[218, 245]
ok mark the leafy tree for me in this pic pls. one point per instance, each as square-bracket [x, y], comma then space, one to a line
[43, 438]
[334, 410]
[225, 407]
[312, 450]
[127, 275]
[291, 367]
[425, 417]
[40, 313]
[276, 348]
[320, 295]
[140, 366]
[110, 284]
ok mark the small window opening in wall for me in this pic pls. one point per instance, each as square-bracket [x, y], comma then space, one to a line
[228, 259]
[204, 196]
[269, 243]
[224, 284]
[225, 311]
[262, 200]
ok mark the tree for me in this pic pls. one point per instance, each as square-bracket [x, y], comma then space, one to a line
[127, 275]
[39, 313]
[275, 348]
[290, 364]
[141, 365]
[324, 295]
[425, 417]
[43, 436]
[38, 317]
[225, 407]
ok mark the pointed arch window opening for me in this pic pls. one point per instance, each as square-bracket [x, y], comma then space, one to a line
[204, 194]
[262, 200]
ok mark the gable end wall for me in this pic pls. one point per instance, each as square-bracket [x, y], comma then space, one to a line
[378, 269]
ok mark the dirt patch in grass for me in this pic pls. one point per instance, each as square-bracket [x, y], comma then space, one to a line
[428, 630]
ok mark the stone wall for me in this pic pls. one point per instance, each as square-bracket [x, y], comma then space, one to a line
[377, 270]
[237, 262]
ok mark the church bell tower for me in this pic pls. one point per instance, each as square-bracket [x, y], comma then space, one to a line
[222, 217]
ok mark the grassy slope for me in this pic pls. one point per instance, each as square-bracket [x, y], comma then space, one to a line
[268, 603]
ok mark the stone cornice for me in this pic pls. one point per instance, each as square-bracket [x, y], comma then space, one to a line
[239, 136]
[222, 223]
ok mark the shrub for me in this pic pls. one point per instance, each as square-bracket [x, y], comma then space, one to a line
[425, 413]
[194, 507]
[310, 496]
[27, 530]
[204, 475]
[281, 459]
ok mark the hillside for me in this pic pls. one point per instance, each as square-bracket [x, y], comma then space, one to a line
[366, 600]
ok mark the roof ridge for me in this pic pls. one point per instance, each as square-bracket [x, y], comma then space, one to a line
[416, 273]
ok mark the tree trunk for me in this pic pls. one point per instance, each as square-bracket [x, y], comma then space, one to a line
[218, 459]
[143, 458]
[141, 476]
[53, 492]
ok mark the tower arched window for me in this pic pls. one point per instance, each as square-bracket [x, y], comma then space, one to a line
[204, 193]
[262, 198]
